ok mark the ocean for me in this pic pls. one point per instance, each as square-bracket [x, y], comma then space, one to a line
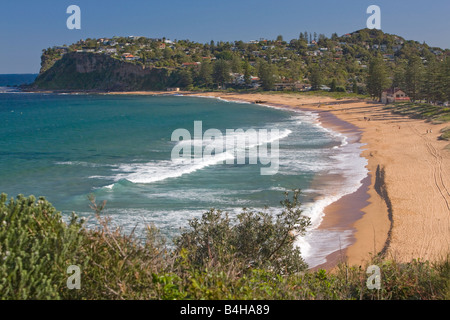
[118, 148]
[7, 81]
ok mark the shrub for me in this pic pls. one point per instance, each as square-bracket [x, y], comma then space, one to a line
[36, 247]
[256, 240]
[250, 257]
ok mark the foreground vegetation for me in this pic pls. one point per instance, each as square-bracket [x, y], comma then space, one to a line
[250, 257]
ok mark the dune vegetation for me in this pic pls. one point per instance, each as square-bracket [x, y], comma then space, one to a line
[251, 256]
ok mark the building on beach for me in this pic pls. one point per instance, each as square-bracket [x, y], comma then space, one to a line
[394, 95]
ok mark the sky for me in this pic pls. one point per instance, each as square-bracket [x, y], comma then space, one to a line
[28, 26]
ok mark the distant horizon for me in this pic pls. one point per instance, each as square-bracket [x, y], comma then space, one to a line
[27, 28]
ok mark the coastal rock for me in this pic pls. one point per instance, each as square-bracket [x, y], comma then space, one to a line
[78, 71]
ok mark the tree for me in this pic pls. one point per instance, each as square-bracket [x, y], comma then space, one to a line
[247, 73]
[185, 78]
[414, 77]
[236, 64]
[444, 79]
[256, 239]
[333, 85]
[167, 53]
[322, 38]
[431, 83]
[377, 79]
[225, 55]
[355, 87]
[221, 72]
[266, 73]
[301, 36]
[398, 80]
[205, 74]
[315, 78]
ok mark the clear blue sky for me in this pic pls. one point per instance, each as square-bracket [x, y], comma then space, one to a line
[28, 26]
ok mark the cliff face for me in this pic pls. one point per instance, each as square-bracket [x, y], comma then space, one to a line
[89, 71]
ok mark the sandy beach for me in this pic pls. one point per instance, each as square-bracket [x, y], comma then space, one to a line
[403, 207]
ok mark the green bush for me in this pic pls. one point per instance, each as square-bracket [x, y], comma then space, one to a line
[36, 247]
[251, 257]
[255, 240]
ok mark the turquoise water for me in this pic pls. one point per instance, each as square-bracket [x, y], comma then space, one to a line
[65, 147]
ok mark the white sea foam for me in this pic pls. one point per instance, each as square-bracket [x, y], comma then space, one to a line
[317, 244]
[161, 170]
[83, 164]
[237, 140]
[344, 159]
[155, 171]
[347, 162]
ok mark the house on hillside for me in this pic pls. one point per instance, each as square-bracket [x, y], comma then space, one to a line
[191, 65]
[394, 95]
[389, 57]
[397, 47]
[129, 57]
[111, 50]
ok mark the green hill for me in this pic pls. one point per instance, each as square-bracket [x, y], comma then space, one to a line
[349, 63]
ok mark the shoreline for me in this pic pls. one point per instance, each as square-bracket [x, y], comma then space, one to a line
[405, 212]
[410, 218]
[322, 259]
[341, 214]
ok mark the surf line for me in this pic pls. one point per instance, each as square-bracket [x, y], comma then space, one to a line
[237, 145]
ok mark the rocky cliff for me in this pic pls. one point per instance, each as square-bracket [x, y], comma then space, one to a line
[98, 72]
